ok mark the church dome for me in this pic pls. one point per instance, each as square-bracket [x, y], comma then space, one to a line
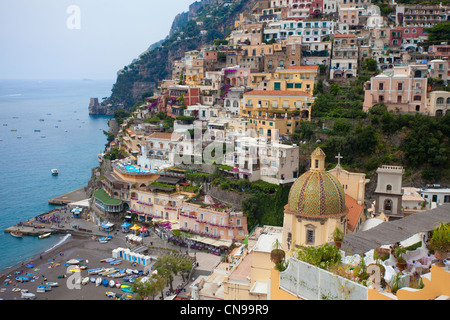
[317, 192]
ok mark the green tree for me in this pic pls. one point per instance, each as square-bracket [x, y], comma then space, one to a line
[370, 65]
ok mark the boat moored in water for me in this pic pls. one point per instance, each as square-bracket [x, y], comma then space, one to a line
[45, 235]
[16, 234]
[55, 172]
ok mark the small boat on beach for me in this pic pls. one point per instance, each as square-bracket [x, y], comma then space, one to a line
[28, 296]
[52, 284]
[112, 283]
[16, 234]
[98, 281]
[55, 172]
[105, 282]
[94, 271]
[45, 235]
[85, 281]
[73, 261]
[43, 289]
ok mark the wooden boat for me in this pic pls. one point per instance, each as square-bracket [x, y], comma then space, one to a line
[93, 279]
[126, 288]
[118, 285]
[95, 271]
[52, 284]
[105, 282]
[16, 234]
[45, 235]
[117, 275]
[73, 261]
[43, 289]
[28, 296]
[98, 281]
[23, 279]
[85, 281]
[112, 283]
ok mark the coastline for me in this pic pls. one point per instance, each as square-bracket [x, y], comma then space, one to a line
[74, 247]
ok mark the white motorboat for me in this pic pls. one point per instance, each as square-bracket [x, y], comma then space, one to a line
[55, 172]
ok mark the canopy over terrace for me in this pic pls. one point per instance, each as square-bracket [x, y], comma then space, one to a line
[212, 242]
[391, 232]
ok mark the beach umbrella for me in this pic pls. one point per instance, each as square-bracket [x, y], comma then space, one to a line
[135, 228]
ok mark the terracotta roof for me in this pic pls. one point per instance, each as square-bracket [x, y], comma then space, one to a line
[351, 35]
[165, 135]
[275, 93]
[303, 67]
[354, 212]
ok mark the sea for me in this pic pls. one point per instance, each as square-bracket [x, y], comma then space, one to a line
[44, 124]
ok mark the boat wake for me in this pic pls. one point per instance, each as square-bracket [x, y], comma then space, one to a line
[59, 243]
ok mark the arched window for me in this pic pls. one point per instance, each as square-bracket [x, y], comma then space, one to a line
[448, 100]
[439, 113]
[388, 187]
[440, 100]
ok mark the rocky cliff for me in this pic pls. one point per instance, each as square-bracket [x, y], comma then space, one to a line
[143, 74]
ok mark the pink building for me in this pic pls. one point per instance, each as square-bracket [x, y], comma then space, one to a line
[407, 36]
[398, 89]
[237, 77]
[214, 223]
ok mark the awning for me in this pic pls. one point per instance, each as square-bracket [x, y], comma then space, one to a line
[107, 225]
[135, 227]
[212, 242]
[125, 225]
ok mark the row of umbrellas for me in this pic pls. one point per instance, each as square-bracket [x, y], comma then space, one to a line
[127, 225]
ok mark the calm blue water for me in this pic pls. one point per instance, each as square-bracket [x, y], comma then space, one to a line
[69, 140]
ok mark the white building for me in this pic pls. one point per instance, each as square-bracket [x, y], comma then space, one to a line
[435, 196]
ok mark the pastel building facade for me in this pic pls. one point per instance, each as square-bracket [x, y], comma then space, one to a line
[399, 89]
[217, 224]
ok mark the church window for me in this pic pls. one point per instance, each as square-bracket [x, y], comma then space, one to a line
[388, 187]
[317, 164]
[310, 236]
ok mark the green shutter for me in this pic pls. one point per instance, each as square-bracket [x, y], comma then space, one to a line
[277, 86]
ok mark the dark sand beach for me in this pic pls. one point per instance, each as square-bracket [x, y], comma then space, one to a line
[75, 247]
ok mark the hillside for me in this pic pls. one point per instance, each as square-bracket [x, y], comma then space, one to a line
[143, 74]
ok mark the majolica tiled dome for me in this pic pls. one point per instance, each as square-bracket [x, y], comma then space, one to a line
[316, 192]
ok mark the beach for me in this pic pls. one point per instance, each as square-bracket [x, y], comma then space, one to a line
[49, 266]
[75, 247]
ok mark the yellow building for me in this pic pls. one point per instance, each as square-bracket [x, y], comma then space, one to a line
[295, 78]
[270, 110]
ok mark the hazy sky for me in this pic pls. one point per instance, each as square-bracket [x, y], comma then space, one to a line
[76, 39]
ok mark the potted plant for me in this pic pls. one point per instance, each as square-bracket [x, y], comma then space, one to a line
[398, 252]
[440, 243]
[277, 254]
[338, 236]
